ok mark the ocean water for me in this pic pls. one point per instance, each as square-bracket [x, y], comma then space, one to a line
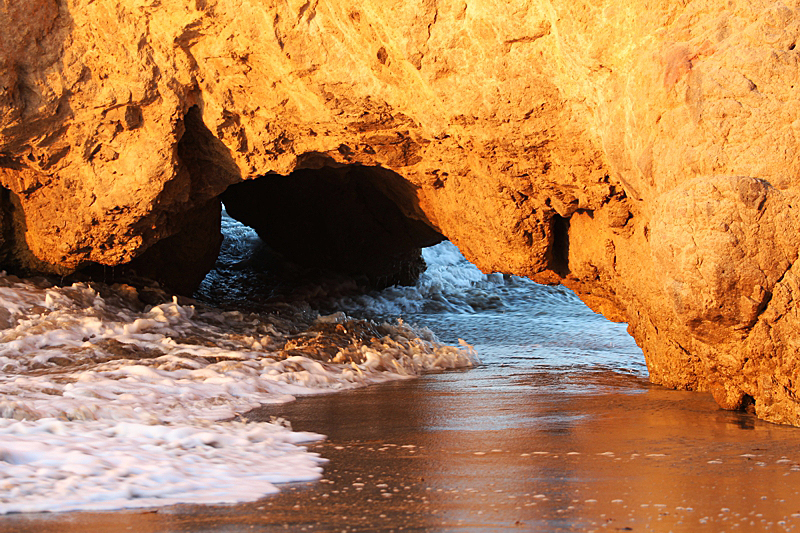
[509, 320]
[107, 403]
[527, 411]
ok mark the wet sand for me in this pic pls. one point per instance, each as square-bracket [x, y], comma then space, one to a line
[527, 451]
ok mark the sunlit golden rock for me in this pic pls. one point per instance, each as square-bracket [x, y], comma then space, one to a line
[643, 154]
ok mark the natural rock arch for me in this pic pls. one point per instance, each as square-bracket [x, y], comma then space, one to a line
[645, 156]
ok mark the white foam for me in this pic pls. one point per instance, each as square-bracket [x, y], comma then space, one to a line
[450, 283]
[52, 465]
[98, 388]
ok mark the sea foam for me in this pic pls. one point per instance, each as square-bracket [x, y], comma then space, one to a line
[107, 404]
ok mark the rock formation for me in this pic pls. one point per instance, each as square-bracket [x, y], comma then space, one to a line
[642, 153]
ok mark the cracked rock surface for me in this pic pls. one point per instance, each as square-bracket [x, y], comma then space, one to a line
[643, 154]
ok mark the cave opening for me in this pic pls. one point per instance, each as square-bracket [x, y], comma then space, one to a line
[351, 220]
[512, 321]
[326, 235]
[559, 251]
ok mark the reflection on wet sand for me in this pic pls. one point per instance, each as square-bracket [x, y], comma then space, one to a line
[527, 451]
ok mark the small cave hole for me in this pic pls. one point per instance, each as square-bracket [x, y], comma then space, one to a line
[559, 250]
[748, 404]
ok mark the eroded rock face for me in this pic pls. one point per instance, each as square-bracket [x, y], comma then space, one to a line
[644, 154]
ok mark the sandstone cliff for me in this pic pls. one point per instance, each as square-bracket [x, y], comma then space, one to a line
[642, 153]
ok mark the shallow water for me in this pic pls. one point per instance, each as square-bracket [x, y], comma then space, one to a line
[509, 320]
[490, 451]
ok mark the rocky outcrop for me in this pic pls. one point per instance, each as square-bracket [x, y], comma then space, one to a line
[643, 154]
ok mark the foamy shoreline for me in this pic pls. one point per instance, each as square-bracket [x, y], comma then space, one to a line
[109, 407]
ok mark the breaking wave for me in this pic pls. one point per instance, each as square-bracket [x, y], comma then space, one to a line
[109, 403]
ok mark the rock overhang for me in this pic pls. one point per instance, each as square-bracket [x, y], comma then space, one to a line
[646, 158]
